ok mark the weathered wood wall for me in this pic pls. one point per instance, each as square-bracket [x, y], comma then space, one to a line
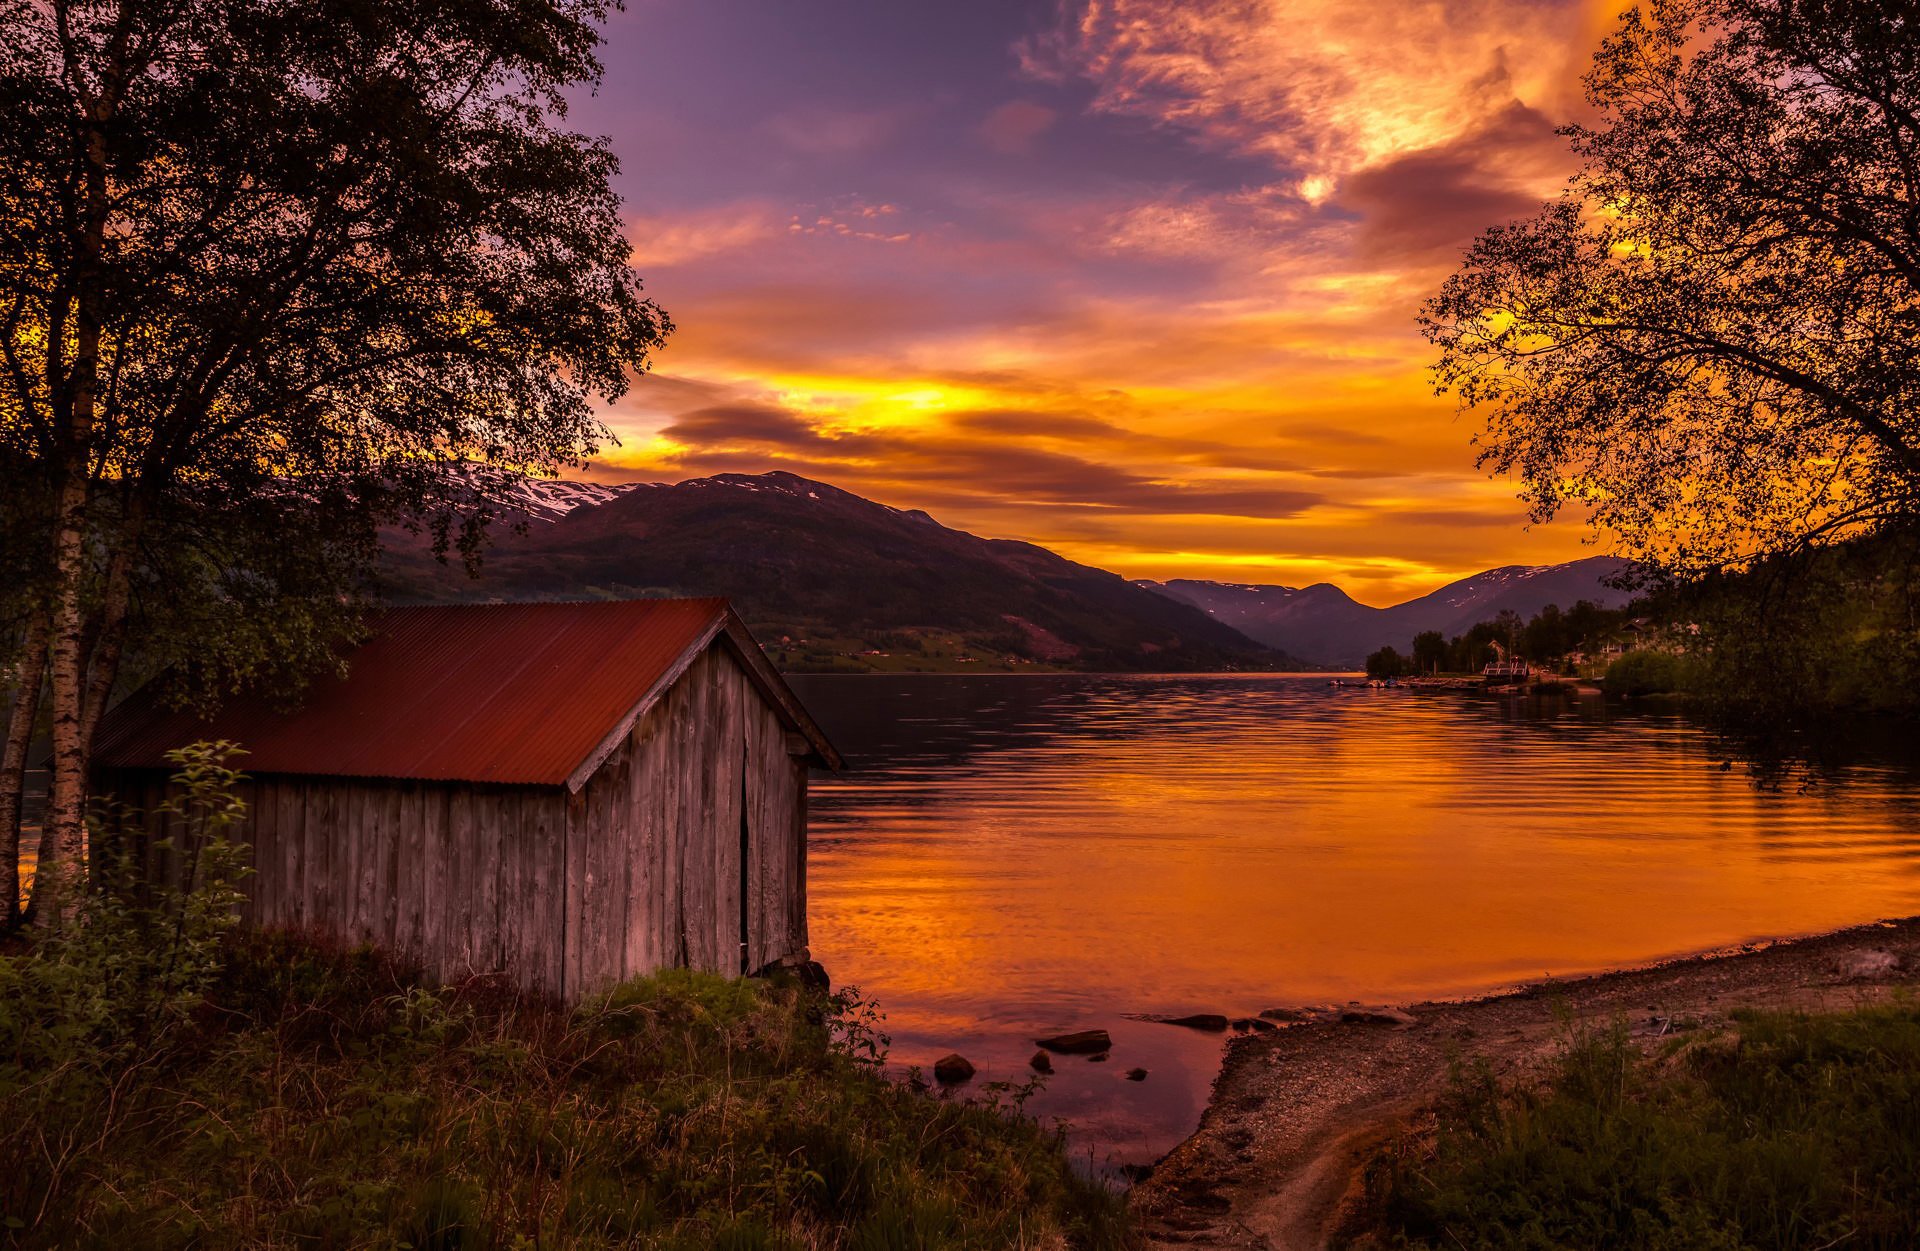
[565, 894]
[654, 868]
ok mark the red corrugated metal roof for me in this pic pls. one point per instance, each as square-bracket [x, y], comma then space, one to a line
[520, 693]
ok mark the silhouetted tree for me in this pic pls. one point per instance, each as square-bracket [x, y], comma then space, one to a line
[267, 272]
[1386, 663]
[1711, 342]
[1429, 651]
[1545, 639]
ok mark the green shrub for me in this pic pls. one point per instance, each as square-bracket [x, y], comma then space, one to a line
[1647, 673]
[1786, 1131]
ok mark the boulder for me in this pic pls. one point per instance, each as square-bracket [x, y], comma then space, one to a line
[1248, 1023]
[1082, 1042]
[952, 1069]
[1136, 1075]
[1867, 966]
[1200, 1020]
[1378, 1016]
[1041, 1062]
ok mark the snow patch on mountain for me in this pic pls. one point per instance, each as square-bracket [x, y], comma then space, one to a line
[549, 499]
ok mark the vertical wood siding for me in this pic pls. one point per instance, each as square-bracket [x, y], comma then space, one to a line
[563, 894]
[654, 857]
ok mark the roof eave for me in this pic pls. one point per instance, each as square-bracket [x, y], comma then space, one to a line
[774, 687]
[661, 685]
[726, 625]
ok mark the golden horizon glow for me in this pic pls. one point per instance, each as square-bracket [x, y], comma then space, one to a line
[1198, 358]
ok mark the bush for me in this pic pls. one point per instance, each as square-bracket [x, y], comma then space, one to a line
[1647, 673]
[230, 1089]
[1786, 1131]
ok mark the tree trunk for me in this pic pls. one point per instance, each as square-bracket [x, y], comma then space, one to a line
[31, 677]
[103, 657]
[62, 846]
[63, 841]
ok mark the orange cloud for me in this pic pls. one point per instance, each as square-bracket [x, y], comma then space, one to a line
[1212, 376]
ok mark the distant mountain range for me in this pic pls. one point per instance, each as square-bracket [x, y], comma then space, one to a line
[1324, 625]
[830, 580]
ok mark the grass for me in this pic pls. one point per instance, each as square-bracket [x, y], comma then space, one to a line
[1780, 1131]
[298, 1098]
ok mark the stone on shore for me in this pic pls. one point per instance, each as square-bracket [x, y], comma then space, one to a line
[1080, 1043]
[1867, 966]
[953, 1069]
[1363, 1015]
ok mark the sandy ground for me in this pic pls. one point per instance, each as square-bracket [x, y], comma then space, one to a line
[1296, 1113]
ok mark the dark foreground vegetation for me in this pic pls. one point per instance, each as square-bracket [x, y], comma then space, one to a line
[1784, 1130]
[167, 1080]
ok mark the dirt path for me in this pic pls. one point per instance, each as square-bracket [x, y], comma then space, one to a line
[1296, 1113]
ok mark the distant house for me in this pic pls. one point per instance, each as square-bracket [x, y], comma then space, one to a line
[566, 794]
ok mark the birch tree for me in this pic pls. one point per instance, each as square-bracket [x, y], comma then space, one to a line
[268, 272]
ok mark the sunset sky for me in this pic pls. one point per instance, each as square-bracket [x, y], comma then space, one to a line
[1133, 279]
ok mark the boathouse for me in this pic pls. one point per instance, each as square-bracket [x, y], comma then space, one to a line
[564, 794]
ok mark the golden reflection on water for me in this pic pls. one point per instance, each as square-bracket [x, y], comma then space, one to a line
[1008, 855]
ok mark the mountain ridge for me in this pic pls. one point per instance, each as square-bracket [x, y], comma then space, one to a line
[830, 579]
[1324, 625]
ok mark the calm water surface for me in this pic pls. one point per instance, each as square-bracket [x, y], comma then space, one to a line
[1008, 857]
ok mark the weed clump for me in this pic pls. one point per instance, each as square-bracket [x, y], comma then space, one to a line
[1783, 1130]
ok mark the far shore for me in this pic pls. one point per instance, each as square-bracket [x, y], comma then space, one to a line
[1297, 1112]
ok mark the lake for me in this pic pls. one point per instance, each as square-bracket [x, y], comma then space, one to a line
[1013, 856]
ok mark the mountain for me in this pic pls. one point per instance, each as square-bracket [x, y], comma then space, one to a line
[829, 579]
[1324, 625]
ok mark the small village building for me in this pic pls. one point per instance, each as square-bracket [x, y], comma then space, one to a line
[565, 794]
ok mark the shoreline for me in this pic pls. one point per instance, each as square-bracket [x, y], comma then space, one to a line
[1295, 1113]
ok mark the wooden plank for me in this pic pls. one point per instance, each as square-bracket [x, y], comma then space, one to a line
[796, 885]
[387, 883]
[455, 956]
[572, 888]
[729, 748]
[642, 795]
[592, 916]
[373, 877]
[317, 841]
[409, 868]
[434, 885]
[529, 937]
[497, 813]
[502, 890]
[762, 834]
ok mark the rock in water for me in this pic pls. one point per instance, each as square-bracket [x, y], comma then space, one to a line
[1199, 1020]
[1085, 1042]
[1136, 1075]
[953, 1069]
[1041, 1062]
